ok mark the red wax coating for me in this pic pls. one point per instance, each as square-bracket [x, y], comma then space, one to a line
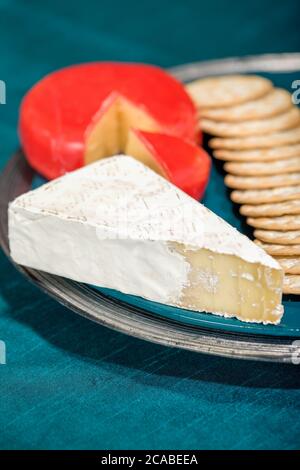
[57, 111]
[184, 163]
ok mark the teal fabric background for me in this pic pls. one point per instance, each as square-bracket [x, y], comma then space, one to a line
[71, 384]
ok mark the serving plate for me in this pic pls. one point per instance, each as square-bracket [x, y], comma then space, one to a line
[155, 322]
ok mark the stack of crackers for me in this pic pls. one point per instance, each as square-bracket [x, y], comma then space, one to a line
[257, 134]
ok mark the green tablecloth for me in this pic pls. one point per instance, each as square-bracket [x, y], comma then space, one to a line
[69, 383]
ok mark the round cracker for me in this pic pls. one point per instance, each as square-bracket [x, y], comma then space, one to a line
[279, 250]
[275, 102]
[285, 222]
[291, 136]
[227, 90]
[258, 155]
[271, 210]
[291, 237]
[291, 284]
[290, 265]
[278, 167]
[287, 120]
[262, 182]
[261, 196]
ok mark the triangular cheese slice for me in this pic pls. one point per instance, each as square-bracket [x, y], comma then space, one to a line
[117, 224]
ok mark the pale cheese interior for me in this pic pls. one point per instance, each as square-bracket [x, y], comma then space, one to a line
[104, 138]
[137, 149]
[109, 135]
[228, 285]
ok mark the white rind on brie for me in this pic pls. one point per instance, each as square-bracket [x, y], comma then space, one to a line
[117, 224]
[77, 252]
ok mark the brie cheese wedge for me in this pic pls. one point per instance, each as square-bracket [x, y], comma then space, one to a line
[117, 224]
